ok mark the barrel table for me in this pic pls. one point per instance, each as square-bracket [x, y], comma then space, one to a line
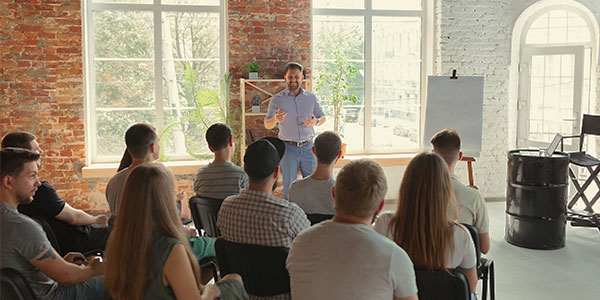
[536, 199]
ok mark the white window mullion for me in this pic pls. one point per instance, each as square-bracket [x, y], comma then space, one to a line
[368, 100]
[90, 84]
[158, 68]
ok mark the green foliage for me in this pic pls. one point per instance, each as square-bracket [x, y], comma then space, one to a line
[333, 84]
[252, 67]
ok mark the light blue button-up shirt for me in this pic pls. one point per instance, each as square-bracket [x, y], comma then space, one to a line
[298, 109]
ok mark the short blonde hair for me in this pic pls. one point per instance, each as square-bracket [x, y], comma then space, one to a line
[359, 188]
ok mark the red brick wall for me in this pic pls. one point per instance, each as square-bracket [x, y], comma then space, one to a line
[41, 76]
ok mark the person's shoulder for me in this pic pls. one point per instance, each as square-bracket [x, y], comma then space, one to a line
[121, 176]
[465, 191]
[281, 93]
[461, 232]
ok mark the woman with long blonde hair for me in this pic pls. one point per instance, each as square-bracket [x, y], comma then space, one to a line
[421, 225]
[148, 255]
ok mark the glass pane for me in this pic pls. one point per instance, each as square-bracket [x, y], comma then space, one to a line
[350, 4]
[339, 45]
[558, 26]
[191, 35]
[123, 34]
[397, 5]
[396, 83]
[124, 84]
[111, 126]
[124, 1]
[191, 2]
[551, 98]
[186, 135]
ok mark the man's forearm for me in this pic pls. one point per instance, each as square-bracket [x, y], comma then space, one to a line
[270, 123]
[83, 218]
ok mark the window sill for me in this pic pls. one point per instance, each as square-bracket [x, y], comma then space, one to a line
[191, 167]
[108, 170]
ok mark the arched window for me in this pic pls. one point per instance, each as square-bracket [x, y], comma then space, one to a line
[557, 51]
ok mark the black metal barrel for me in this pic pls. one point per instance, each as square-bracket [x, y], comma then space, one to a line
[536, 200]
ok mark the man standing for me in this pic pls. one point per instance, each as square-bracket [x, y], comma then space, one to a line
[345, 258]
[313, 193]
[255, 216]
[297, 112]
[473, 210]
[75, 230]
[25, 247]
[142, 145]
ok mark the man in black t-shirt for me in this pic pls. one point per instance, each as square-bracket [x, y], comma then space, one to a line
[74, 229]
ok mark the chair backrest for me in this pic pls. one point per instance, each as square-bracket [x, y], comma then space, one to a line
[14, 286]
[442, 285]
[204, 212]
[318, 218]
[475, 237]
[589, 125]
[49, 233]
[261, 267]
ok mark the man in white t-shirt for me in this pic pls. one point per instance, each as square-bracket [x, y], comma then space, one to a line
[345, 258]
[313, 193]
[473, 210]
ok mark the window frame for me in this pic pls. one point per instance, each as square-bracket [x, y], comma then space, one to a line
[427, 62]
[89, 74]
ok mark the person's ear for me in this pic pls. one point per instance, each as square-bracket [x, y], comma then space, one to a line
[6, 182]
[460, 155]
[211, 149]
[276, 173]
[313, 150]
[231, 141]
[333, 192]
[339, 154]
[380, 207]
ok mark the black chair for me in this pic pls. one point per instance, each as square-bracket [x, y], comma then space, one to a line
[14, 286]
[204, 212]
[442, 285]
[589, 126]
[210, 262]
[318, 218]
[485, 267]
[261, 267]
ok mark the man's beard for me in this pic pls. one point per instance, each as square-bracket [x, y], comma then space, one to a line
[25, 198]
[293, 86]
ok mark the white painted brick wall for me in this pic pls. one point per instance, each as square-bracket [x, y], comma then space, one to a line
[474, 37]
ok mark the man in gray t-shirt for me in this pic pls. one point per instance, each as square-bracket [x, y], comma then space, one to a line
[313, 193]
[324, 259]
[24, 246]
[220, 179]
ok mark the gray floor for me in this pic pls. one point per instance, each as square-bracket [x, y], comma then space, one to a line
[572, 272]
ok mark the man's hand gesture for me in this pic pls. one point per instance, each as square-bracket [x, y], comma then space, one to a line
[280, 115]
[312, 121]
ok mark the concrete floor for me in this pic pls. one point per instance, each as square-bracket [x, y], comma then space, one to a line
[572, 272]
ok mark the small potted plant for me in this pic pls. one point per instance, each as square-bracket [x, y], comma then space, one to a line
[252, 70]
[256, 101]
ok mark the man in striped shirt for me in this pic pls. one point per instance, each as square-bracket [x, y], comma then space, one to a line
[221, 178]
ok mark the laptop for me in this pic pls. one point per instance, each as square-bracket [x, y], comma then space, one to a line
[548, 152]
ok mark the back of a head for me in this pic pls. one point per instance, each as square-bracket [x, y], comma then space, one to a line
[13, 160]
[327, 147]
[293, 66]
[360, 186]
[421, 225]
[147, 206]
[446, 143]
[138, 139]
[218, 136]
[18, 139]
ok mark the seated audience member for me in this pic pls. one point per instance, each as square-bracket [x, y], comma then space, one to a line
[325, 260]
[143, 146]
[313, 193]
[255, 216]
[473, 210]
[147, 256]
[220, 179]
[25, 247]
[75, 230]
[421, 225]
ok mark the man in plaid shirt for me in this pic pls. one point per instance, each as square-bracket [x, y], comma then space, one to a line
[255, 216]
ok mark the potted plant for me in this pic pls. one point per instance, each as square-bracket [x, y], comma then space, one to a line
[256, 101]
[333, 86]
[252, 70]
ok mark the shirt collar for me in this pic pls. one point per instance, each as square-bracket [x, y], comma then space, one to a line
[266, 197]
[288, 93]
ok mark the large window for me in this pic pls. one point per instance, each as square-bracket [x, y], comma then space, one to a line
[557, 46]
[384, 42]
[153, 61]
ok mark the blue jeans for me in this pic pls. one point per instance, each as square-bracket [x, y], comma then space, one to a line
[296, 157]
[91, 289]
